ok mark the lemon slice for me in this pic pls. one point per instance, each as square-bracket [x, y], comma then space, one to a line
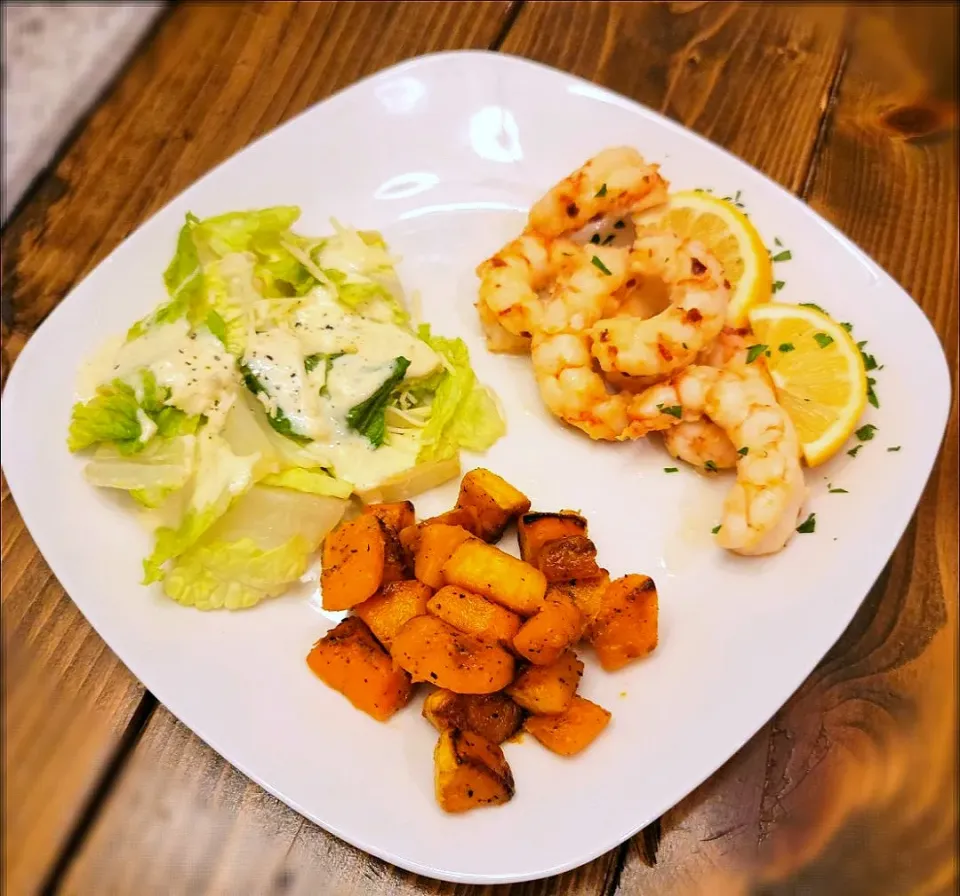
[726, 232]
[818, 372]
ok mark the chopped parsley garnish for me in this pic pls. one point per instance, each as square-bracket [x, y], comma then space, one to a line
[776, 241]
[894, 448]
[601, 192]
[808, 525]
[855, 450]
[671, 470]
[786, 347]
[715, 530]
[755, 351]
[597, 263]
[865, 432]
[846, 326]
[744, 451]
[813, 306]
[823, 340]
[869, 361]
[367, 418]
[777, 286]
[838, 491]
[871, 395]
[710, 466]
[674, 410]
[785, 255]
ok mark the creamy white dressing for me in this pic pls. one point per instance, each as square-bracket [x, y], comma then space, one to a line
[194, 366]
[147, 427]
[220, 471]
[352, 380]
[275, 358]
[322, 325]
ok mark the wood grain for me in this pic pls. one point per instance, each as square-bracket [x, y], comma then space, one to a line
[648, 39]
[212, 78]
[852, 787]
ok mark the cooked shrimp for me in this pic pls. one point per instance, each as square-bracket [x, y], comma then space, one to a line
[672, 339]
[562, 363]
[615, 181]
[760, 513]
[702, 444]
[499, 338]
[512, 279]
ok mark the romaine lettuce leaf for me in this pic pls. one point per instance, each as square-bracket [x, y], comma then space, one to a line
[315, 482]
[463, 413]
[367, 417]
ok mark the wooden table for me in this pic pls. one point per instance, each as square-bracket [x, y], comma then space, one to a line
[851, 787]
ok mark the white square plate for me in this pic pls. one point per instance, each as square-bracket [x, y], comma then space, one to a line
[444, 154]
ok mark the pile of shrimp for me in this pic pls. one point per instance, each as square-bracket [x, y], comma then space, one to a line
[574, 292]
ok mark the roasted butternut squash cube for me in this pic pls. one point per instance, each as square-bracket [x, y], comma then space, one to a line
[548, 689]
[475, 615]
[349, 660]
[393, 605]
[464, 517]
[397, 515]
[586, 595]
[437, 543]
[469, 772]
[431, 650]
[494, 499]
[493, 716]
[353, 562]
[548, 633]
[534, 530]
[571, 731]
[625, 628]
[573, 557]
[397, 563]
[485, 569]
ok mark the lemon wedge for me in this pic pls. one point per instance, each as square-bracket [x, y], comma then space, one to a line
[818, 372]
[729, 235]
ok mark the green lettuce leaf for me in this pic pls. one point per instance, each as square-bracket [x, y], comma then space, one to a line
[464, 413]
[113, 416]
[277, 419]
[244, 231]
[220, 477]
[236, 575]
[314, 482]
[367, 417]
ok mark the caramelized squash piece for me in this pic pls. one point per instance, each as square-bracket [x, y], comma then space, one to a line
[397, 564]
[493, 716]
[546, 635]
[573, 557]
[626, 626]
[465, 517]
[548, 689]
[437, 543]
[431, 650]
[494, 499]
[534, 530]
[475, 615]
[485, 569]
[469, 772]
[349, 660]
[397, 515]
[353, 562]
[391, 607]
[571, 731]
[586, 594]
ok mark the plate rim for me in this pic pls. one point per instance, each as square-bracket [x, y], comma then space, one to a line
[500, 60]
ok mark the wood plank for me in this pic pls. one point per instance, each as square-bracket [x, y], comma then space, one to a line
[213, 78]
[854, 789]
[183, 803]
